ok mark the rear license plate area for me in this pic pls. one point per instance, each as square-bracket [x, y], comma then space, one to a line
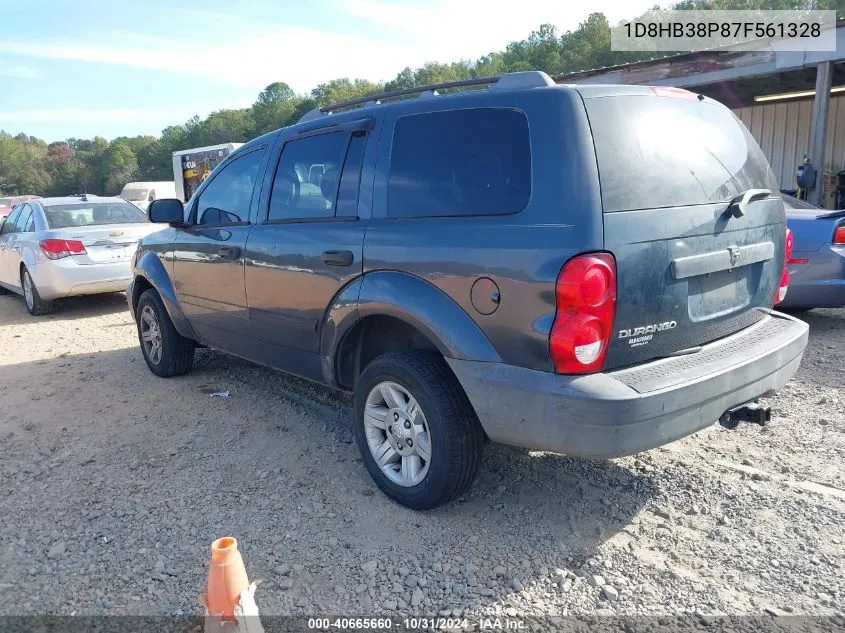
[722, 292]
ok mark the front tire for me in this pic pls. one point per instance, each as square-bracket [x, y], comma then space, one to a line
[166, 352]
[417, 432]
[35, 305]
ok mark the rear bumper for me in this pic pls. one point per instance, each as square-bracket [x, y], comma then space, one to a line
[60, 278]
[635, 409]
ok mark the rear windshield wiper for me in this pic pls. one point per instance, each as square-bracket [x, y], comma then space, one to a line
[740, 203]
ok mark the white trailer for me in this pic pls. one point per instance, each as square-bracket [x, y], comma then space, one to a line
[192, 166]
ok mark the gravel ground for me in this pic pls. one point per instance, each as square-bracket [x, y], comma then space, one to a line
[115, 482]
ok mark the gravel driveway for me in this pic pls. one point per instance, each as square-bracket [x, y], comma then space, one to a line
[115, 482]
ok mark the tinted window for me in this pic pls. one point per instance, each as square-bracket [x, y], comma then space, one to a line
[62, 216]
[23, 219]
[460, 162]
[226, 199]
[9, 224]
[667, 151]
[350, 179]
[306, 181]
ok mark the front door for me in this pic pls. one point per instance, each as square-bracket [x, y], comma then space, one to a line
[9, 256]
[307, 247]
[209, 255]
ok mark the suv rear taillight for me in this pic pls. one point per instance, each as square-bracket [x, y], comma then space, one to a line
[57, 249]
[585, 294]
[784, 276]
[839, 235]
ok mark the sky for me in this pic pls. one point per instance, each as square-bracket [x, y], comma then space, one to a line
[84, 68]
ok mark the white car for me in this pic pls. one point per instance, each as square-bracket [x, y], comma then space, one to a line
[61, 247]
[142, 193]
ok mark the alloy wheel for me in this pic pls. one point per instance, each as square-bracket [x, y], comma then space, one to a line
[397, 434]
[28, 294]
[151, 334]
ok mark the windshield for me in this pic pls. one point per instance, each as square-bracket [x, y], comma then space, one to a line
[5, 202]
[62, 216]
[134, 195]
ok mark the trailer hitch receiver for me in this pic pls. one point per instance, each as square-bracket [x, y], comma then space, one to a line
[749, 412]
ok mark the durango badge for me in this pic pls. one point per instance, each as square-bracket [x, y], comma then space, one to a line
[642, 335]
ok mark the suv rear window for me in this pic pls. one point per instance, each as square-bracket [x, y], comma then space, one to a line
[460, 162]
[667, 151]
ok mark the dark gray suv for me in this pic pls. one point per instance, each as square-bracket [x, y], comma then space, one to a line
[588, 270]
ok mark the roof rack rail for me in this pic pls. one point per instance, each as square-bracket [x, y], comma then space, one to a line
[508, 81]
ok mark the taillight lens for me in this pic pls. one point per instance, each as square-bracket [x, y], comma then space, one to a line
[839, 234]
[585, 294]
[57, 249]
[784, 276]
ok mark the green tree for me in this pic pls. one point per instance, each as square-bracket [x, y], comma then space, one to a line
[345, 89]
[273, 108]
[119, 165]
[66, 170]
[22, 164]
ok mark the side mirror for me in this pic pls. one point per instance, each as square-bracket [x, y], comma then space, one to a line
[166, 211]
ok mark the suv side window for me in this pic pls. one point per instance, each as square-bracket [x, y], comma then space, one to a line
[9, 224]
[306, 181]
[460, 163]
[350, 177]
[227, 198]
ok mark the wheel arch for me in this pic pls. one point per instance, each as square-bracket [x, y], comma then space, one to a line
[391, 311]
[29, 260]
[150, 273]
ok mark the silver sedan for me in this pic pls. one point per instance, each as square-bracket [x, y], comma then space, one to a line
[61, 247]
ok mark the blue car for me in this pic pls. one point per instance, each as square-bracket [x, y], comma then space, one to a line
[817, 265]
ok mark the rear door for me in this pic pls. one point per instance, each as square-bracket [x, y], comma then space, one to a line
[309, 243]
[689, 268]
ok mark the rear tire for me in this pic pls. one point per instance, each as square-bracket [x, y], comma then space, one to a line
[35, 305]
[166, 352]
[440, 424]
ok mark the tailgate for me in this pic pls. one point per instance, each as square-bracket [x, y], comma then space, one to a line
[688, 270]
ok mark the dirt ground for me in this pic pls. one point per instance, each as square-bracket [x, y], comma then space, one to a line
[114, 482]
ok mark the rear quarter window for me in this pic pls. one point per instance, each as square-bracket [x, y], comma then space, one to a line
[657, 152]
[460, 163]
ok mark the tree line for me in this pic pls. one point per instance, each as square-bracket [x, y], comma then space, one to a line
[99, 166]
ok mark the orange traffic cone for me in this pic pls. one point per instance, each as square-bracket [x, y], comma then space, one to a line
[226, 578]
